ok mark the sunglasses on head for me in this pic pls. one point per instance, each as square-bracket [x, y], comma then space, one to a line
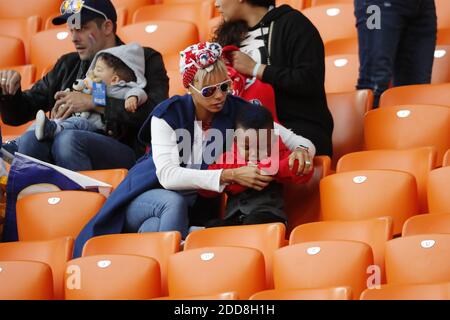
[209, 91]
[75, 6]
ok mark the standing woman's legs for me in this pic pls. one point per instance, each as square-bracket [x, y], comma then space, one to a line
[158, 210]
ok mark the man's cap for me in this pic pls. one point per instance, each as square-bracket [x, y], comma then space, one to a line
[90, 9]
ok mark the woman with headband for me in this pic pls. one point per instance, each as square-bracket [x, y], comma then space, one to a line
[186, 134]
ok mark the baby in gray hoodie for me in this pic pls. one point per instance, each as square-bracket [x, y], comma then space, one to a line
[120, 70]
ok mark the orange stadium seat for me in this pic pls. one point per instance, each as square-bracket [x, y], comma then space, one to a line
[438, 190]
[12, 53]
[301, 201]
[156, 245]
[307, 265]
[213, 24]
[55, 253]
[297, 4]
[57, 39]
[426, 224]
[112, 177]
[441, 65]
[264, 237]
[212, 270]
[333, 21]
[408, 126]
[418, 259]
[197, 13]
[374, 232]
[27, 8]
[348, 110]
[341, 73]
[443, 36]
[419, 162]
[112, 277]
[25, 280]
[338, 293]
[217, 296]
[175, 83]
[167, 37]
[437, 291]
[172, 62]
[21, 28]
[46, 216]
[366, 194]
[130, 7]
[329, 2]
[417, 94]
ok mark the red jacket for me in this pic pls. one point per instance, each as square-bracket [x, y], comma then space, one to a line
[282, 175]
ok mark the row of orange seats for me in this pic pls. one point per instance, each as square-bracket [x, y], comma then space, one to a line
[242, 259]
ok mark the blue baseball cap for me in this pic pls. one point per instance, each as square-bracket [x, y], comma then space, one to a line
[88, 9]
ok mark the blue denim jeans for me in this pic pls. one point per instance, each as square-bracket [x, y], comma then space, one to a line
[79, 150]
[402, 51]
[159, 210]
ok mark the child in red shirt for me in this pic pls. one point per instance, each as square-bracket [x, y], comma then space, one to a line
[256, 144]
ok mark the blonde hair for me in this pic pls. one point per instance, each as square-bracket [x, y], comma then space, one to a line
[202, 75]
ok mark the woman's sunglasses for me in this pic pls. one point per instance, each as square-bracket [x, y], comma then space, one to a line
[209, 91]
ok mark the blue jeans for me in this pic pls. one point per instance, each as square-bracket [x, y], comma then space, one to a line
[79, 150]
[78, 123]
[402, 51]
[159, 210]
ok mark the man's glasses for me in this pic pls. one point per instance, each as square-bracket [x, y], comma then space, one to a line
[75, 6]
[209, 91]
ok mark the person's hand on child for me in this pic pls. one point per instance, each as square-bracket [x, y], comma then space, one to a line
[68, 103]
[305, 162]
[131, 104]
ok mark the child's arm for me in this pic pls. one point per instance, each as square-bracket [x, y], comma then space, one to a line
[134, 98]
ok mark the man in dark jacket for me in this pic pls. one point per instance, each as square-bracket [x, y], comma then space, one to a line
[95, 30]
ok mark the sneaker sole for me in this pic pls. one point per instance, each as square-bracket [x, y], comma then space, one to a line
[40, 124]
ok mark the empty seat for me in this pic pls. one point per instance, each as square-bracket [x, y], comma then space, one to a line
[211, 270]
[339, 293]
[55, 253]
[419, 162]
[12, 53]
[167, 37]
[112, 277]
[348, 110]
[264, 237]
[322, 264]
[302, 201]
[333, 21]
[51, 215]
[443, 13]
[57, 39]
[175, 83]
[417, 94]
[438, 190]
[441, 64]
[341, 72]
[418, 259]
[409, 126]
[374, 232]
[426, 224]
[197, 12]
[27, 8]
[437, 291]
[25, 280]
[156, 245]
[112, 177]
[130, 6]
[358, 195]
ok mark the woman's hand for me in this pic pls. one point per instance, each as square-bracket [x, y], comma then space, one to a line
[305, 162]
[246, 176]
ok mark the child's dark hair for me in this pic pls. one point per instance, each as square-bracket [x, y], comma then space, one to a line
[120, 68]
[253, 116]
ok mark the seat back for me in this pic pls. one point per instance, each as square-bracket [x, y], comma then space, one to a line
[441, 64]
[437, 291]
[342, 46]
[112, 177]
[307, 265]
[112, 277]
[157, 245]
[264, 237]
[417, 94]
[12, 53]
[427, 224]
[21, 28]
[25, 280]
[443, 13]
[341, 73]
[55, 253]
[338, 293]
[211, 270]
[51, 215]
[446, 160]
[438, 190]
